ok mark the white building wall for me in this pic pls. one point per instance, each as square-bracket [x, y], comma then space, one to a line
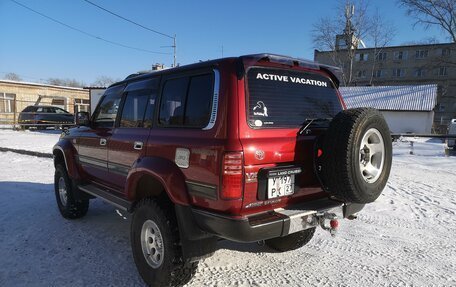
[95, 95]
[409, 122]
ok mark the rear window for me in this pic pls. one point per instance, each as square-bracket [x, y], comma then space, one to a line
[285, 98]
[187, 101]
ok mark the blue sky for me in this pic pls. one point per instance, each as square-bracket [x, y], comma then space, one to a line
[38, 49]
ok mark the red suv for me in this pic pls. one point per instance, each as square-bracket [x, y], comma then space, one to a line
[253, 148]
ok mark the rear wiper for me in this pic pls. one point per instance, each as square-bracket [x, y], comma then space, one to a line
[308, 122]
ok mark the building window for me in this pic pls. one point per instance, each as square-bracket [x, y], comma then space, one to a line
[7, 103]
[446, 52]
[400, 55]
[360, 57]
[443, 71]
[398, 73]
[361, 74]
[421, 54]
[378, 74]
[81, 105]
[381, 56]
[420, 72]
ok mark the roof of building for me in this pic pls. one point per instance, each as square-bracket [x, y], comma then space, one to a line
[391, 98]
[416, 46]
[40, 85]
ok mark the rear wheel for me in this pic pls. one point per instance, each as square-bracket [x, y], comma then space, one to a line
[292, 241]
[357, 155]
[69, 206]
[156, 246]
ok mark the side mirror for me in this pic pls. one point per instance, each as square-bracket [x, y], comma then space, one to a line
[82, 119]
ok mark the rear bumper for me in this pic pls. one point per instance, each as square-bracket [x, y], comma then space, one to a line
[275, 223]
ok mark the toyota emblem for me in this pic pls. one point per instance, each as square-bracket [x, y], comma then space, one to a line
[259, 154]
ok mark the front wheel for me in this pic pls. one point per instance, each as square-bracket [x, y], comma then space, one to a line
[156, 247]
[292, 241]
[69, 205]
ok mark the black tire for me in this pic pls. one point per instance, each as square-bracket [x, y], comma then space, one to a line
[69, 206]
[348, 171]
[172, 270]
[292, 241]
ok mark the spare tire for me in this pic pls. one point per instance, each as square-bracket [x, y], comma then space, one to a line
[356, 157]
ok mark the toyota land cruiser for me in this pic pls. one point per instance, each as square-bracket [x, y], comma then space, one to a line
[253, 148]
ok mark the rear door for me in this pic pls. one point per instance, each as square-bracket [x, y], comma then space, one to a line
[93, 140]
[279, 162]
[128, 140]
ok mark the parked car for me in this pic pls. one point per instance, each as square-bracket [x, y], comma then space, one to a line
[41, 117]
[451, 142]
[252, 148]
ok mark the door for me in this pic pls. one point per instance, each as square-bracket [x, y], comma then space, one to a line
[128, 140]
[93, 140]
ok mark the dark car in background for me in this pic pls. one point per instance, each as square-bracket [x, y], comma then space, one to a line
[41, 117]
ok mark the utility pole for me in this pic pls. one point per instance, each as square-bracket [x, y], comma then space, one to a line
[174, 50]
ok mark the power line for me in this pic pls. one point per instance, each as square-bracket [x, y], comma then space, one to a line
[174, 46]
[86, 33]
[128, 20]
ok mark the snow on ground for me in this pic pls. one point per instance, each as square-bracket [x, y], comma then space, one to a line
[38, 141]
[405, 238]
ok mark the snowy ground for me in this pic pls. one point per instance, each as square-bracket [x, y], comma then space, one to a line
[405, 238]
[32, 140]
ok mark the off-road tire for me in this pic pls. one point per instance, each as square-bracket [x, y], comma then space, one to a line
[174, 270]
[71, 208]
[292, 241]
[340, 167]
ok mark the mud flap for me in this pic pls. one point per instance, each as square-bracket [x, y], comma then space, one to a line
[196, 244]
[352, 208]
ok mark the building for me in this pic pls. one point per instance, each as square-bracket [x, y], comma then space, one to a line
[403, 65]
[407, 109]
[95, 94]
[15, 96]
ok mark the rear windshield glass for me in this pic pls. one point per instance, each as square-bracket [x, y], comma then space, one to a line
[284, 98]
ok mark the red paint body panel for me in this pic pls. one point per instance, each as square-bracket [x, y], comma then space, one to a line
[231, 133]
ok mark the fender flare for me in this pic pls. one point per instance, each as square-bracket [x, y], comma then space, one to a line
[69, 153]
[163, 170]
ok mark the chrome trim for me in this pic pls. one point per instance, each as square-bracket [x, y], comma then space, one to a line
[64, 157]
[215, 101]
[138, 145]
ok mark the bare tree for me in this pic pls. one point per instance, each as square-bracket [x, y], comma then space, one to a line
[12, 77]
[380, 35]
[103, 81]
[441, 13]
[65, 82]
[356, 25]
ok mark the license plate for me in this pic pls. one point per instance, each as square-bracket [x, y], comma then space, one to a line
[281, 186]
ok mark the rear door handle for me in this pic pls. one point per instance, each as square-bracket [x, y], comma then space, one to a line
[102, 141]
[138, 145]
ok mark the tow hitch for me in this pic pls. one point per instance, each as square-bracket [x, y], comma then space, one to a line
[328, 221]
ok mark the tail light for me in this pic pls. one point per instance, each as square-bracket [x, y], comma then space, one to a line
[232, 175]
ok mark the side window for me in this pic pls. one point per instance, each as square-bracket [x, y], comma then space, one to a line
[172, 103]
[199, 99]
[105, 115]
[149, 117]
[187, 101]
[134, 107]
[60, 111]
